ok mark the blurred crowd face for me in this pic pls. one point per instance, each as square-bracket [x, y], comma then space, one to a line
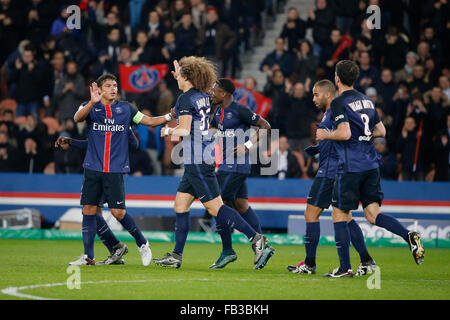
[321, 4]
[71, 68]
[436, 94]
[364, 59]
[153, 17]
[179, 5]
[411, 61]
[418, 72]
[111, 19]
[444, 83]
[299, 90]
[279, 44]
[141, 39]
[114, 35]
[186, 20]
[169, 38]
[284, 144]
[292, 14]
[278, 78]
[27, 56]
[423, 49]
[335, 36]
[386, 76]
[304, 48]
[212, 16]
[410, 124]
[380, 147]
[250, 83]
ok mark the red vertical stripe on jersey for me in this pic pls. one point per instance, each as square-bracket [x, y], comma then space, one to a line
[107, 142]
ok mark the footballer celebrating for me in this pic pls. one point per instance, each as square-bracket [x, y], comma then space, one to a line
[195, 77]
[106, 162]
[355, 121]
[319, 197]
[233, 121]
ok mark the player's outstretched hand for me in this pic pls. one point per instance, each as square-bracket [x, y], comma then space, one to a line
[63, 142]
[96, 96]
[176, 66]
[321, 134]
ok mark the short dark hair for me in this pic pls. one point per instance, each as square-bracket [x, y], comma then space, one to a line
[327, 85]
[347, 71]
[226, 85]
[104, 77]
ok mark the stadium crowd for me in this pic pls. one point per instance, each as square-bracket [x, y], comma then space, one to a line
[46, 69]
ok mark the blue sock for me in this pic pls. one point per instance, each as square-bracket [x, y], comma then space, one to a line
[391, 224]
[105, 234]
[358, 242]
[182, 225]
[231, 218]
[311, 241]
[88, 230]
[128, 223]
[225, 234]
[252, 219]
[342, 237]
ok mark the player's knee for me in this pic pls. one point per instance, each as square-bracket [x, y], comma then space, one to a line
[370, 217]
[312, 213]
[118, 213]
[241, 206]
[89, 210]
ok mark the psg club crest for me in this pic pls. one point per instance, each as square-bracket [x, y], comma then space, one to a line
[141, 78]
[252, 99]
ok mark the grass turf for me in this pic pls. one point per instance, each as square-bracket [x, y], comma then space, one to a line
[33, 262]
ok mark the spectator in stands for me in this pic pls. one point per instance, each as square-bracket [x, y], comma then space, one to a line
[186, 36]
[423, 51]
[113, 22]
[251, 83]
[434, 45]
[412, 164]
[10, 27]
[170, 51]
[276, 90]
[288, 166]
[369, 75]
[437, 106]
[442, 153]
[418, 82]
[166, 99]
[387, 89]
[406, 74]
[388, 165]
[302, 114]
[155, 30]
[293, 30]
[27, 76]
[31, 160]
[307, 63]
[178, 10]
[394, 50]
[143, 53]
[333, 51]
[69, 93]
[280, 57]
[102, 65]
[8, 155]
[216, 41]
[322, 20]
[444, 84]
[345, 11]
[198, 12]
[431, 72]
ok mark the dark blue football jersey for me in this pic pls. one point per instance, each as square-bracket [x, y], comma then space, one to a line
[328, 157]
[107, 150]
[357, 154]
[198, 147]
[232, 124]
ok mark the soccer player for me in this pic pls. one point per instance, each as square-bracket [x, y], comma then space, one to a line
[233, 121]
[115, 247]
[319, 197]
[107, 160]
[195, 77]
[355, 121]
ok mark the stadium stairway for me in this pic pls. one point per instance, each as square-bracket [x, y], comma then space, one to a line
[251, 60]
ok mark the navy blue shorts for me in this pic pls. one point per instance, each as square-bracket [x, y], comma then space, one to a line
[100, 187]
[233, 185]
[200, 181]
[352, 187]
[321, 192]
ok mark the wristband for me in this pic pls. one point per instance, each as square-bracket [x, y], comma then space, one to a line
[168, 117]
[166, 131]
[248, 144]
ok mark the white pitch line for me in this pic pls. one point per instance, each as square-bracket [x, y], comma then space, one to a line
[14, 291]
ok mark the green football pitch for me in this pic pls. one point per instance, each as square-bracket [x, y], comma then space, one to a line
[37, 269]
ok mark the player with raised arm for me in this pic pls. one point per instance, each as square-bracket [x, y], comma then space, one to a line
[233, 122]
[319, 197]
[115, 247]
[355, 121]
[106, 161]
[195, 77]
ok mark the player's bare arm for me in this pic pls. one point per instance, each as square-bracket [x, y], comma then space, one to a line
[379, 130]
[342, 133]
[181, 130]
[156, 121]
[96, 96]
[254, 139]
